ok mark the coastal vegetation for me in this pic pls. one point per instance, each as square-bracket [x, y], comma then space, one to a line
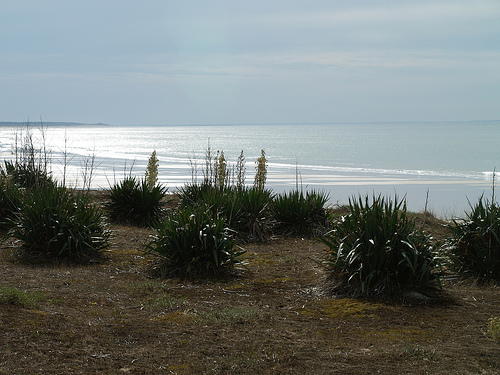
[50, 221]
[299, 213]
[151, 175]
[136, 201]
[194, 241]
[245, 210]
[222, 277]
[54, 223]
[10, 200]
[494, 329]
[261, 171]
[474, 246]
[376, 250]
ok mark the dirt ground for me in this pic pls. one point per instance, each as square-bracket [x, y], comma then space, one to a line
[274, 318]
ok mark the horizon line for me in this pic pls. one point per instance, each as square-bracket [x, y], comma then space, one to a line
[75, 123]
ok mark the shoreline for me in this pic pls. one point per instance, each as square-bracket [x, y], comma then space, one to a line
[298, 157]
[446, 198]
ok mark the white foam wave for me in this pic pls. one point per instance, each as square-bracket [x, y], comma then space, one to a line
[305, 168]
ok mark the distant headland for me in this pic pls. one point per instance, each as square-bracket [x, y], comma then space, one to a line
[7, 123]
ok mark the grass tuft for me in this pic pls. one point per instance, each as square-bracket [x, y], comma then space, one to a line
[13, 296]
[155, 295]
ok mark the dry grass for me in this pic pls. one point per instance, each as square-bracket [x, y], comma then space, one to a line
[111, 318]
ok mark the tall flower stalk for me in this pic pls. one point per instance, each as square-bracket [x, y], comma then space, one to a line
[261, 170]
[152, 171]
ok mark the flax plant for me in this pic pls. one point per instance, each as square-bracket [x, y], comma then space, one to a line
[251, 213]
[300, 214]
[193, 242]
[55, 223]
[30, 167]
[376, 250]
[475, 242]
[11, 198]
[132, 201]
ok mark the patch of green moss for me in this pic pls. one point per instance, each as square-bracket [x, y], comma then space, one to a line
[261, 259]
[236, 287]
[343, 307]
[17, 297]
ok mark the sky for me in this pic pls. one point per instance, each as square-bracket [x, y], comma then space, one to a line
[186, 62]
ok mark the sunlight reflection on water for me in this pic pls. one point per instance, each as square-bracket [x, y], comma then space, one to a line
[342, 159]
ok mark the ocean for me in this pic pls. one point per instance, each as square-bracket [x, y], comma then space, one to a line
[442, 165]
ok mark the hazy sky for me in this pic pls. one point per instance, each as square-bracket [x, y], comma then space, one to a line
[232, 61]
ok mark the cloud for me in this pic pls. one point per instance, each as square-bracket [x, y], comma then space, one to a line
[280, 59]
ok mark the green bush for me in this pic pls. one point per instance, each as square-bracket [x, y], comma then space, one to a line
[475, 243]
[251, 213]
[376, 250]
[299, 214]
[54, 223]
[193, 194]
[26, 175]
[15, 180]
[245, 209]
[194, 242]
[132, 201]
[206, 194]
[10, 201]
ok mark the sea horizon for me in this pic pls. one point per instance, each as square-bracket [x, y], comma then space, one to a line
[80, 123]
